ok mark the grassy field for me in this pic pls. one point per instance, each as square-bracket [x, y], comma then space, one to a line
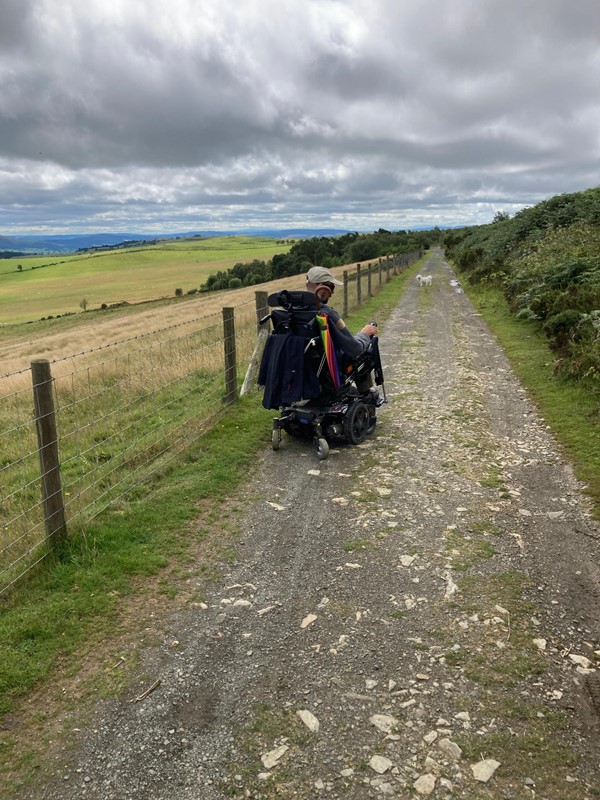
[54, 285]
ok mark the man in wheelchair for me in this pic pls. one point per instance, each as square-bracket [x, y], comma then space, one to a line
[321, 282]
[315, 371]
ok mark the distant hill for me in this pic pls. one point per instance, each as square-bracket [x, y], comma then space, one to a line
[64, 243]
[69, 243]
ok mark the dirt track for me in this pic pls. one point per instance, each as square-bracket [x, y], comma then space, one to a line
[453, 573]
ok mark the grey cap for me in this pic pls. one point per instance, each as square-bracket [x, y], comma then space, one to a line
[321, 275]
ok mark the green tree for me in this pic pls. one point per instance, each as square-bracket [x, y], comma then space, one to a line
[363, 249]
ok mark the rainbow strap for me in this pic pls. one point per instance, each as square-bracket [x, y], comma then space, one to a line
[330, 355]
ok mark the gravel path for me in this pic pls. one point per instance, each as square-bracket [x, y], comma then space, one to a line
[416, 616]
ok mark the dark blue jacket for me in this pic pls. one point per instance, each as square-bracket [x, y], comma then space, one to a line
[283, 372]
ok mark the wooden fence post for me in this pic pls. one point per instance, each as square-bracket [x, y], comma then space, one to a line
[262, 309]
[230, 355]
[387, 269]
[358, 287]
[369, 287]
[379, 270]
[346, 279]
[47, 435]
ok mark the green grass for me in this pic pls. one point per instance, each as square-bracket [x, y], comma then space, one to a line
[519, 660]
[469, 550]
[269, 728]
[572, 410]
[485, 527]
[54, 285]
[357, 544]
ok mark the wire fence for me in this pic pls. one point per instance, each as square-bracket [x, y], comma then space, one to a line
[81, 432]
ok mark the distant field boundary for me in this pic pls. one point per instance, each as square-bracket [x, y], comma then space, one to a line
[83, 431]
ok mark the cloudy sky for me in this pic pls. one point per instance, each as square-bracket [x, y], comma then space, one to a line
[177, 115]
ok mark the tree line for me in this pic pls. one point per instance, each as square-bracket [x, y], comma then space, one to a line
[327, 251]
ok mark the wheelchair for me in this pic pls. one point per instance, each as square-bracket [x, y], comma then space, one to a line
[313, 385]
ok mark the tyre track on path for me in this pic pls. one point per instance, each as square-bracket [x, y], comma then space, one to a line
[421, 595]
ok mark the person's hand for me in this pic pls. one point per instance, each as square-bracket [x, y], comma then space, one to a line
[370, 330]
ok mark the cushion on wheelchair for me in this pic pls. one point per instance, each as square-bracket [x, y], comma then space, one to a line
[294, 312]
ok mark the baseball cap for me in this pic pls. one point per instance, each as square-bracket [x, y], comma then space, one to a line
[321, 275]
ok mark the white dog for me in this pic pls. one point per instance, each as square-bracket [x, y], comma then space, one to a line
[424, 280]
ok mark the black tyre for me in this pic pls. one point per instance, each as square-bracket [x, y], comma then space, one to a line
[356, 422]
[322, 448]
[372, 424]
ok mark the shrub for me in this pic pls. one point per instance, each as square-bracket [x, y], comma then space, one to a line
[178, 292]
[560, 328]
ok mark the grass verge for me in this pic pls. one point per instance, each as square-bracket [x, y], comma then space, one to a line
[570, 409]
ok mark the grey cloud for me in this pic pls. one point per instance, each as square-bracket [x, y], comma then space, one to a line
[332, 109]
[15, 21]
[352, 79]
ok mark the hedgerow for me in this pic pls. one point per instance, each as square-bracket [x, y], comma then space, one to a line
[546, 259]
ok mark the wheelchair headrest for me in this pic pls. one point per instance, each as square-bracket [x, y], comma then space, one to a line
[292, 299]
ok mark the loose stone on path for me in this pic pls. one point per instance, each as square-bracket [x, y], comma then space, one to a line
[484, 770]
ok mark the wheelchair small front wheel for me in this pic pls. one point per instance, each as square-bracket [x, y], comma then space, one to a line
[275, 438]
[322, 448]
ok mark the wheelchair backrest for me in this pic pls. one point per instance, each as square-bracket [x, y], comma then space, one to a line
[294, 312]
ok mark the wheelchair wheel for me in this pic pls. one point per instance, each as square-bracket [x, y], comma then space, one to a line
[322, 447]
[275, 438]
[356, 422]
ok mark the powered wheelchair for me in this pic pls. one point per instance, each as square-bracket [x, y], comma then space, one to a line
[308, 379]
